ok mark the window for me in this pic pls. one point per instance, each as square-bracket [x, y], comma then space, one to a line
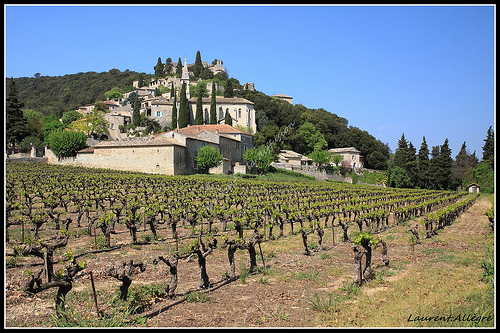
[239, 113]
[158, 114]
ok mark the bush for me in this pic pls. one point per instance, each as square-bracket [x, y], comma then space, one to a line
[208, 157]
[66, 143]
[25, 144]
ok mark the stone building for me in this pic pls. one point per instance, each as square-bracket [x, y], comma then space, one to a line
[350, 155]
[169, 153]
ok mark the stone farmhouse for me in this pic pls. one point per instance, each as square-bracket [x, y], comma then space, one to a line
[350, 155]
[169, 153]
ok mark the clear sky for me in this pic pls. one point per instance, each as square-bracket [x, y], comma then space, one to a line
[418, 70]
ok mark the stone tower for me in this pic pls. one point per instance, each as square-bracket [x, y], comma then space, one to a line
[185, 78]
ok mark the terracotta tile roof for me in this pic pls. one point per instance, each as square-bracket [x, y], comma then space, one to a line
[221, 128]
[144, 141]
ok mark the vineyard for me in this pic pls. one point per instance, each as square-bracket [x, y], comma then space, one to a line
[110, 248]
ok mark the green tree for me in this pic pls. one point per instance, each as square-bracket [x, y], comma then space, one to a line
[213, 107]
[178, 69]
[66, 143]
[198, 119]
[398, 178]
[401, 153]
[411, 166]
[423, 165]
[229, 89]
[208, 157]
[198, 65]
[70, 116]
[184, 114]
[322, 157]
[312, 137]
[159, 69]
[168, 66]
[30, 141]
[136, 113]
[260, 157]
[228, 120]
[114, 93]
[461, 165]
[35, 122]
[446, 164]
[16, 125]
[489, 148]
[173, 125]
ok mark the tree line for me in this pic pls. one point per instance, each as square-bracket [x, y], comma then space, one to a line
[412, 169]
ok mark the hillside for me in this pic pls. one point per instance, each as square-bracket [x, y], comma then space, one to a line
[58, 94]
[55, 95]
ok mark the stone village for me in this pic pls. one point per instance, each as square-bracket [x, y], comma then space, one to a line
[174, 152]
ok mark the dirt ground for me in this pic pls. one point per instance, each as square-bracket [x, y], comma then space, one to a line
[281, 295]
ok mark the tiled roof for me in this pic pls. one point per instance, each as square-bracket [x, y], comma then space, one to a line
[144, 141]
[221, 128]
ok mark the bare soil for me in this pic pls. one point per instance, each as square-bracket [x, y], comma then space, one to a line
[281, 295]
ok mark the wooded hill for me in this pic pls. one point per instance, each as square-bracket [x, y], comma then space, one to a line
[56, 95]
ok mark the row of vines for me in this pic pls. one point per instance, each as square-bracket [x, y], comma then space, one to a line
[201, 214]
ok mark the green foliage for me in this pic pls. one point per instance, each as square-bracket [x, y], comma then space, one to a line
[115, 92]
[322, 157]
[16, 124]
[55, 95]
[27, 142]
[66, 143]
[228, 120]
[260, 157]
[184, 117]
[314, 139]
[70, 116]
[208, 157]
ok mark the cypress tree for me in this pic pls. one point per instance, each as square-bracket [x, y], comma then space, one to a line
[184, 116]
[228, 120]
[228, 89]
[136, 114]
[198, 66]
[16, 125]
[173, 125]
[213, 107]
[198, 119]
[178, 69]
[159, 71]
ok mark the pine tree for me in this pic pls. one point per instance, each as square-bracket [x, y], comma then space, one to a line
[489, 148]
[136, 113]
[16, 125]
[198, 65]
[173, 125]
[434, 168]
[228, 120]
[401, 154]
[213, 107]
[411, 166]
[446, 163]
[462, 166]
[184, 116]
[423, 165]
[198, 119]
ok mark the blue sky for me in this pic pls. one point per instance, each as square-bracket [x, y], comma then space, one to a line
[418, 70]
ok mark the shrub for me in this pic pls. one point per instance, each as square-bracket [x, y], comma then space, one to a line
[25, 144]
[66, 143]
[208, 157]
